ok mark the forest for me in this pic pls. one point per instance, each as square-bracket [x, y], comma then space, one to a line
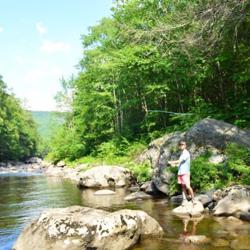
[156, 66]
[18, 132]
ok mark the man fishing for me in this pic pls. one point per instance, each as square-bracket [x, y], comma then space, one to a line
[184, 171]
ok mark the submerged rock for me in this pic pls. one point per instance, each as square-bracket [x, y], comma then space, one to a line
[220, 243]
[104, 192]
[87, 228]
[241, 243]
[197, 239]
[137, 195]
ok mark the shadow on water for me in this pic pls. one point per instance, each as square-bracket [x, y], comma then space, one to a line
[24, 196]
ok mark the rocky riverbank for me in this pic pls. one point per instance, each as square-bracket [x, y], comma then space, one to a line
[231, 201]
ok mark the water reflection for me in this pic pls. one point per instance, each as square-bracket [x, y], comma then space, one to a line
[89, 198]
[190, 225]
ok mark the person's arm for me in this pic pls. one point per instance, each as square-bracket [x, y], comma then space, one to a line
[174, 163]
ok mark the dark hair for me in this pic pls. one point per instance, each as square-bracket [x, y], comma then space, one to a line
[182, 143]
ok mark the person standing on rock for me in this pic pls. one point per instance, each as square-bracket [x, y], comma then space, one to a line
[184, 171]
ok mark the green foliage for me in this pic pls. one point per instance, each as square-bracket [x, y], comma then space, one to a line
[187, 57]
[238, 163]
[18, 135]
[66, 145]
[206, 176]
[143, 172]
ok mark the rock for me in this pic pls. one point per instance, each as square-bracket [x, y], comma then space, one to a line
[87, 228]
[106, 176]
[177, 199]
[197, 239]
[137, 195]
[216, 159]
[241, 243]
[236, 200]
[216, 134]
[46, 164]
[211, 206]
[204, 199]
[245, 216]
[220, 243]
[104, 192]
[33, 160]
[61, 164]
[54, 171]
[230, 224]
[217, 195]
[208, 134]
[190, 209]
[134, 189]
[150, 188]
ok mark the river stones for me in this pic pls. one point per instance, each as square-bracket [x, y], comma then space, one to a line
[106, 176]
[87, 228]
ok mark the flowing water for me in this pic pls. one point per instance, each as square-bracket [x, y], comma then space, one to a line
[23, 196]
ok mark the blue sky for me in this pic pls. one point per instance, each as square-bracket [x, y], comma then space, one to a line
[40, 42]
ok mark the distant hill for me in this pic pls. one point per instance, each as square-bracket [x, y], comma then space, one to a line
[47, 121]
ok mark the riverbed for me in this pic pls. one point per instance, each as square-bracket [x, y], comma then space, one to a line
[24, 195]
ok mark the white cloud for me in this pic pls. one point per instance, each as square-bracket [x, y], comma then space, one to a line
[53, 47]
[41, 28]
[1, 29]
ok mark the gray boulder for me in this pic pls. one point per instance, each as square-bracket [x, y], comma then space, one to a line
[106, 176]
[235, 201]
[216, 134]
[80, 228]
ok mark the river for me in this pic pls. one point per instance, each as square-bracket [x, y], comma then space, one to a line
[24, 195]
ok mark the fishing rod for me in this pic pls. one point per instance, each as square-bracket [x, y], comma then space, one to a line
[168, 112]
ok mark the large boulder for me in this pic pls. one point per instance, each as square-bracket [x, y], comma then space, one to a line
[216, 134]
[208, 134]
[106, 176]
[235, 201]
[87, 228]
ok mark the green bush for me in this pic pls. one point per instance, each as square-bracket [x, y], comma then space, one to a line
[141, 171]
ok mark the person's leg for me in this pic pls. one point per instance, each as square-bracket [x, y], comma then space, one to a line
[184, 192]
[188, 187]
[191, 192]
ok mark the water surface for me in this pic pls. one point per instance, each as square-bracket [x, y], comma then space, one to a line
[23, 196]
